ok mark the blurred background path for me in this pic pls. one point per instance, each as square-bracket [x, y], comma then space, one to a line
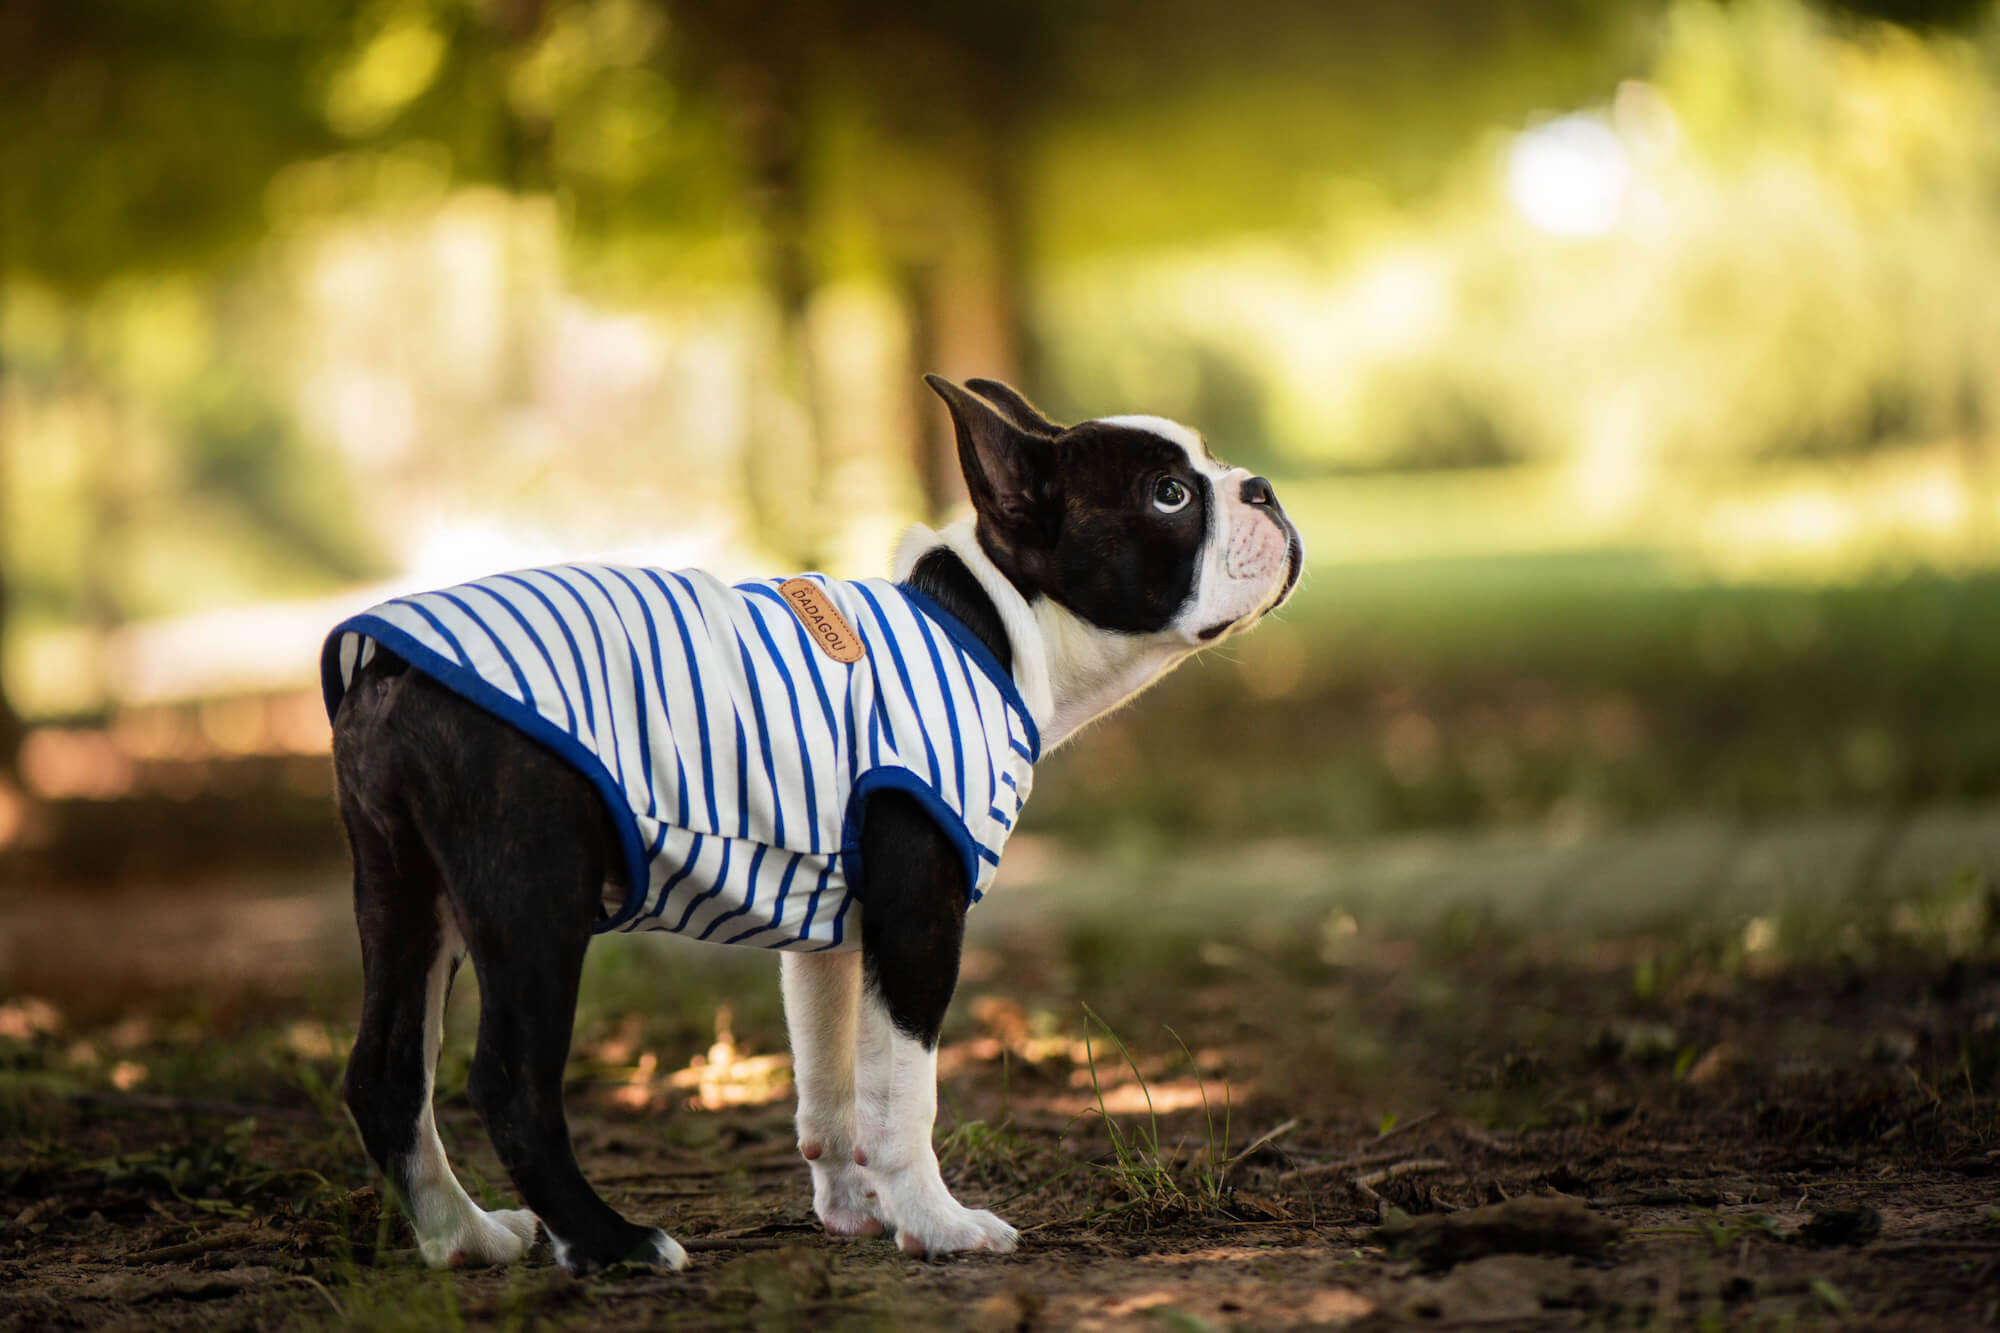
[291, 935]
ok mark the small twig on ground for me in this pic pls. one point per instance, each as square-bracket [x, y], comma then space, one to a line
[1407, 1125]
[1275, 1134]
[338, 1312]
[1367, 1181]
[1500, 1143]
[1947, 1246]
[1415, 1166]
[1340, 1164]
[235, 1238]
[699, 1244]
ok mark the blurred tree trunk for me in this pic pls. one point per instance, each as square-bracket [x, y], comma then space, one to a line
[787, 461]
[934, 450]
[11, 730]
[1004, 189]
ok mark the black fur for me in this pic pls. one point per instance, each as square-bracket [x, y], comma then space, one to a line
[913, 913]
[451, 810]
[943, 577]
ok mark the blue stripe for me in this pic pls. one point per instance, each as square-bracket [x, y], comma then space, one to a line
[599, 689]
[903, 673]
[450, 639]
[569, 714]
[854, 737]
[839, 924]
[700, 699]
[715, 887]
[812, 903]
[807, 648]
[659, 676]
[1008, 778]
[735, 715]
[757, 859]
[799, 729]
[945, 691]
[777, 910]
[687, 868]
[638, 678]
[979, 714]
[652, 857]
[499, 645]
[582, 672]
[1020, 749]
[763, 739]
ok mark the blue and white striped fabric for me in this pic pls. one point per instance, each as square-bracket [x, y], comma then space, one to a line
[734, 754]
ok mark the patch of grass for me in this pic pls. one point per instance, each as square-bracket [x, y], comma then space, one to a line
[397, 1300]
[1151, 1176]
[214, 1173]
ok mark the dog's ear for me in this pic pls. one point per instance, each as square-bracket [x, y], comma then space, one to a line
[1015, 407]
[1009, 471]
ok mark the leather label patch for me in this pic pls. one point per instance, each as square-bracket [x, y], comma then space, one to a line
[826, 626]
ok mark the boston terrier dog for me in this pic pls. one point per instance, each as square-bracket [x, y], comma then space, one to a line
[824, 767]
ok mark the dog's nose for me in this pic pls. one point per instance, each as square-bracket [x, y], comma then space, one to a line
[1257, 491]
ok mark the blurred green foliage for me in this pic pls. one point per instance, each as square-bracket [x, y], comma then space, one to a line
[1578, 690]
[1689, 306]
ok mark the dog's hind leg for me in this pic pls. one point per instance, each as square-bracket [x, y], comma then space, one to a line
[528, 990]
[409, 951]
[822, 1007]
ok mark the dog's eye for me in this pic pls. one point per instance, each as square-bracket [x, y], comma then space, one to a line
[1169, 496]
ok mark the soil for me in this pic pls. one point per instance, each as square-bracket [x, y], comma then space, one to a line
[1458, 1127]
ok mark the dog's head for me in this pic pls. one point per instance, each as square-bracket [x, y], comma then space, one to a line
[1128, 522]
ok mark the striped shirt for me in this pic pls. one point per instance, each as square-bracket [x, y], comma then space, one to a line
[734, 753]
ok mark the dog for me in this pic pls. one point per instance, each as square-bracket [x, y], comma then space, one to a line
[822, 767]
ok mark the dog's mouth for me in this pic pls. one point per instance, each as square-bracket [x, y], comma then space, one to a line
[1295, 563]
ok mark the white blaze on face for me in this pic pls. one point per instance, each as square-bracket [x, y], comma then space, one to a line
[1246, 554]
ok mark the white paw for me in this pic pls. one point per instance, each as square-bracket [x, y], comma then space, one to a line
[482, 1240]
[668, 1251]
[843, 1203]
[934, 1230]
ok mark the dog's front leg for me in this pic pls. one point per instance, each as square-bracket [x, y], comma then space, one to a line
[898, 1105]
[913, 925]
[822, 1004]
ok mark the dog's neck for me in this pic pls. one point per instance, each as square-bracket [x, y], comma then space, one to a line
[1068, 670]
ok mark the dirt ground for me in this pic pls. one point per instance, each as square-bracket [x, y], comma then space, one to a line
[1771, 1123]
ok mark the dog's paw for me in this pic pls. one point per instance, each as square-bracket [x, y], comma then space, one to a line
[483, 1240]
[654, 1246]
[936, 1231]
[850, 1223]
[667, 1250]
[843, 1202]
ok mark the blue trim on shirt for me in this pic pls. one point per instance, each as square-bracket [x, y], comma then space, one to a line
[904, 780]
[1003, 679]
[467, 683]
